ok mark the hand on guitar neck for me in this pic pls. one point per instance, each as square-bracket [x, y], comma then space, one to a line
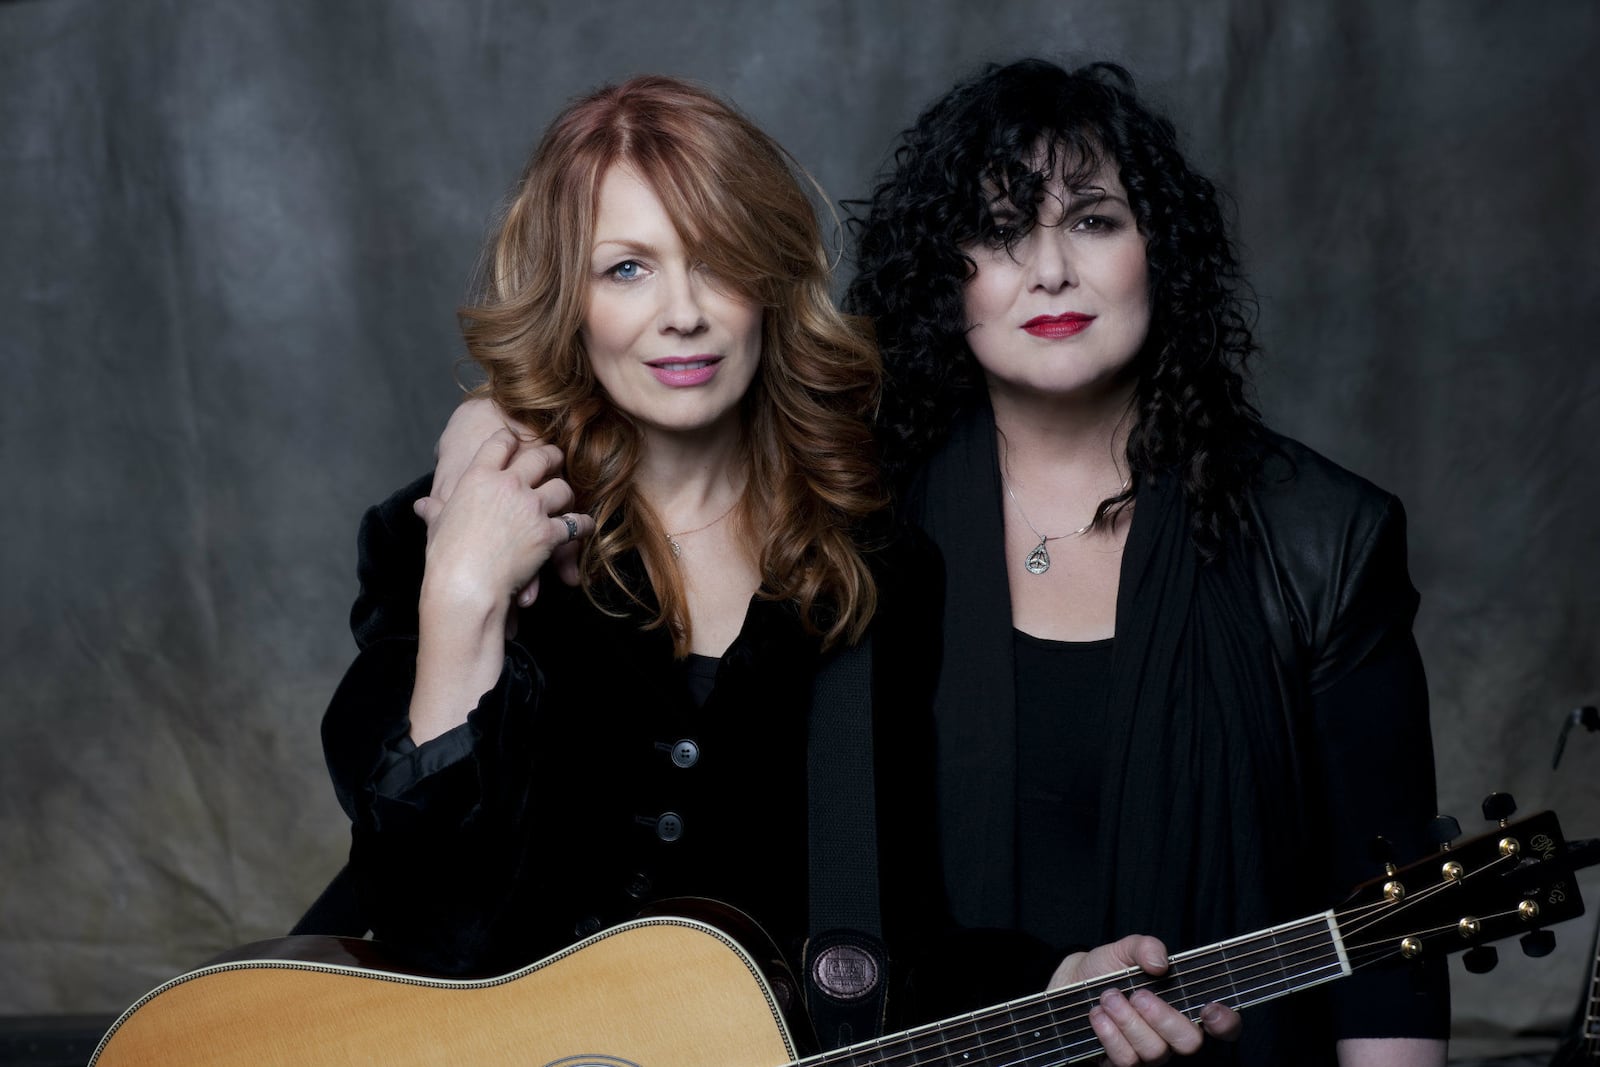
[1141, 1027]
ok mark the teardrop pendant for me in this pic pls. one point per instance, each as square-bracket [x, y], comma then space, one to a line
[1038, 560]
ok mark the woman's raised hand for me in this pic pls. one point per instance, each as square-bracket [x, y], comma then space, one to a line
[1141, 1028]
[473, 422]
[505, 517]
[508, 513]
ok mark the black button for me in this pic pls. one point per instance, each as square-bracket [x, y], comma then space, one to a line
[587, 926]
[669, 827]
[685, 754]
[639, 886]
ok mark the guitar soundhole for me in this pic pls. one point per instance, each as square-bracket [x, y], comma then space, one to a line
[591, 1060]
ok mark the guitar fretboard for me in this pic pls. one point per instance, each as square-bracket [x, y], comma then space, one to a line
[1051, 1028]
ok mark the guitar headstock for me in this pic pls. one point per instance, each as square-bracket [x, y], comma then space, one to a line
[1513, 881]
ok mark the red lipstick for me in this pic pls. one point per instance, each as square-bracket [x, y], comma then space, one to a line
[1052, 327]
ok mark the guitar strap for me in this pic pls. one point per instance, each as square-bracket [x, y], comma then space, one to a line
[845, 965]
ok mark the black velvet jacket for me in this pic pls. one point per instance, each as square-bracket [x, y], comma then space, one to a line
[569, 801]
[1267, 718]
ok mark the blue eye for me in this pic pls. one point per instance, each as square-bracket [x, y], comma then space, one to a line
[626, 271]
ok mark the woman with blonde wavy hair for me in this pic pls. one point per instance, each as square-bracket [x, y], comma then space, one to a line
[525, 764]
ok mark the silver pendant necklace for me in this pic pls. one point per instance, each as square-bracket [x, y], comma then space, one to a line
[1038, 560]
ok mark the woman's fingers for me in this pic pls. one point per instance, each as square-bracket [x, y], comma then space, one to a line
[1221, 1021]
[427, 508]
[566, 559]
[472, 422]
[570, 530]
[1140, 1027]
[1124, 1035]
[1136, 950]
[556, 497]
[534, 464]
[510, 514]
[575, 526]
[495, 453]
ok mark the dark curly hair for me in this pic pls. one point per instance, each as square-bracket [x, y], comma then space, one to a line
[996, 131]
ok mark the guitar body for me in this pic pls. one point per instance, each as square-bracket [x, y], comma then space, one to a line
[664, 992]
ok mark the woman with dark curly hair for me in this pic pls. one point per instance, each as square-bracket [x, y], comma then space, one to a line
[1179, 691]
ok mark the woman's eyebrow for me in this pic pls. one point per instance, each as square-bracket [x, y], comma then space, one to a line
[615, 245]
[1092, 195]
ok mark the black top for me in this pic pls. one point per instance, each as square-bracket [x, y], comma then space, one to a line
[700, 675]
[1061, 709]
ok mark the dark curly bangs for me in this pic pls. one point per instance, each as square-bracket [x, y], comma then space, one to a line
[1002, 135]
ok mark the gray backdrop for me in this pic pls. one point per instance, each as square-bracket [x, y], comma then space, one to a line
[233, 235]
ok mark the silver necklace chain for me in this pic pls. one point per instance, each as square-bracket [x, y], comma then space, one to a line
[1038, 560]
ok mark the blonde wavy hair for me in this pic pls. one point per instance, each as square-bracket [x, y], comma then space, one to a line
[735, 198]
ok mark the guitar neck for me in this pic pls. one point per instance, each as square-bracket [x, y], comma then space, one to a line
[1053, 1027]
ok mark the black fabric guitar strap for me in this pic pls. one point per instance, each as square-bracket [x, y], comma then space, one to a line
[846, 967]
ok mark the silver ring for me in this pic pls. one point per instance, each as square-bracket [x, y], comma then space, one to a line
[572, 528]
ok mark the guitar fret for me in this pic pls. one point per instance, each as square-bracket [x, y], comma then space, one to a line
[1069, 1023]
[1035, 1032]
[916, 1048]
[1015, 1034]
[965, 1045]
[1005, 1038]
[1283, 963]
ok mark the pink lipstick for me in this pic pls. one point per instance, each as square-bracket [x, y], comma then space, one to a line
[681, 372]
[1053, 327]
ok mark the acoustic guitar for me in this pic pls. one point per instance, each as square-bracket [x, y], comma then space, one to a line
[674, 992]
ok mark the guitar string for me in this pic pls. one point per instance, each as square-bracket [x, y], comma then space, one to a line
[1189, 1001]
[1443, 887]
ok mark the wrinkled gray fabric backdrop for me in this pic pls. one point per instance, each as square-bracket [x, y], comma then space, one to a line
[232, 237]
